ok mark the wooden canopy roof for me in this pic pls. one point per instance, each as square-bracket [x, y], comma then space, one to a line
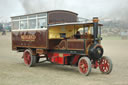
[76, 24]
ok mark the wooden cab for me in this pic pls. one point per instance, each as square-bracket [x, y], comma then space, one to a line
[31, 31]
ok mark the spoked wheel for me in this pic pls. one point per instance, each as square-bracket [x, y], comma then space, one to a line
[84, 66]
[29, 59]
[105, 65]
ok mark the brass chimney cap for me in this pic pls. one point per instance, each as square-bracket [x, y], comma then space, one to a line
[95, 19]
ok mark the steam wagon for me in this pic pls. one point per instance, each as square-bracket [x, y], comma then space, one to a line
[61, 39]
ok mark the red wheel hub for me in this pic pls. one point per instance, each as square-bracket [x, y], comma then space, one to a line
[27, 58]
[104, 65]
[83, 66]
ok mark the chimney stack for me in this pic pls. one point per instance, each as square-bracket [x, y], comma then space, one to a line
[95, 28]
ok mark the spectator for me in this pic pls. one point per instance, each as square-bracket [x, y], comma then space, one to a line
[3, 31]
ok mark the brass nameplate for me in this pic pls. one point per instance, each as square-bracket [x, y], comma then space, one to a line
[28, 37]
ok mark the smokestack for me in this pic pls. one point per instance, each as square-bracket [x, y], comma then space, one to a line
[95, 28]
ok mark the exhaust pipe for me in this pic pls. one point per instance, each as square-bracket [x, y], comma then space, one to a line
[95, 29]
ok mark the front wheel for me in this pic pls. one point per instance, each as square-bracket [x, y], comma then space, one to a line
[84, 66]
[105, 65]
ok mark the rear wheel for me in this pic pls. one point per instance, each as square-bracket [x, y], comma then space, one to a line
[29, 59]
[105, 65]
[84, 66]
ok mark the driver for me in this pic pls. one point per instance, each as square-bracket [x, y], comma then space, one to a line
[77, 36]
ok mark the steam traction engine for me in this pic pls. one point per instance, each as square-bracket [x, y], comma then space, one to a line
[61, 39]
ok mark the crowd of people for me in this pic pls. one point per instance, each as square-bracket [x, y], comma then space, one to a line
[4, 27]
[124, 34]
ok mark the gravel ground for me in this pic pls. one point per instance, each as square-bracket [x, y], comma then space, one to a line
[14, 72]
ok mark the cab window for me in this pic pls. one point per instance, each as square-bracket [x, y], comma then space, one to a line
[42, 23]
[99, 32]
[23, 24]
[15, 25]
[32, 23]
[86, 30]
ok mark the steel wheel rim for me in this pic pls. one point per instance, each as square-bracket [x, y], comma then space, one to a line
[104, 65]
[27, 58]
[83, 66]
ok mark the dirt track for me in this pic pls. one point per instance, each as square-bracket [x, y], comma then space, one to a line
[14, 72]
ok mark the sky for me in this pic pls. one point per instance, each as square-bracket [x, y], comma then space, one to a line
[85, 8]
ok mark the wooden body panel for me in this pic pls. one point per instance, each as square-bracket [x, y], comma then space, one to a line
[67, 44]
[61, 16]
[75, 44]
[29, 39]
